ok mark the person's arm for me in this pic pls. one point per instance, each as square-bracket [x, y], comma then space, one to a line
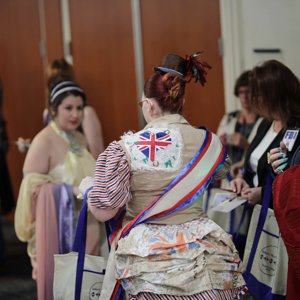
[103, 215]
[38, 156]
[111, 187]
[222, 129]
[92, 130]
[100, 214]
[238, 140]
[236, 169]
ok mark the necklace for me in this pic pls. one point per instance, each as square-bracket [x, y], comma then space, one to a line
[74, 146]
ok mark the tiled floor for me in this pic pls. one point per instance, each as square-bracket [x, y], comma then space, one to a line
[15, 273]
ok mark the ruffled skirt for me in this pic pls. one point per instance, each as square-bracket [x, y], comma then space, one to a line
[178, 260]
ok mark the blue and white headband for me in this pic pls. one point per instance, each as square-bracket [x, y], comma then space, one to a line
[63, 87]
[168, 70]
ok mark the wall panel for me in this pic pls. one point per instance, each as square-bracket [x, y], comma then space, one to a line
[103, 58]
[22, 70]
[185, 27]
[22, 74]
[53, 23]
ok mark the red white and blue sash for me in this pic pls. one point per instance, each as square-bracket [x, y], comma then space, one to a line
[184, 189]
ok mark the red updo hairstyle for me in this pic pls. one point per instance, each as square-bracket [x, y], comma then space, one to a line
[168, 90]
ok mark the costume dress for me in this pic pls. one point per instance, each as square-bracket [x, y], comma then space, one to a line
[183, 255]
[77, 164]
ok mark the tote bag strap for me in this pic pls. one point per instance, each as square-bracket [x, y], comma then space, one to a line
[261, 221]
[79, 245]
[232, 223]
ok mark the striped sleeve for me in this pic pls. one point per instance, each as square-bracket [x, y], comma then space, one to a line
[111, 187]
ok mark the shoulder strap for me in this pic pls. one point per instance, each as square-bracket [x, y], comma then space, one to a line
[261, 221]
[79, 245]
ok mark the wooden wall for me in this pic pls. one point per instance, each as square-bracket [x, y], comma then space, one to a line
[104, 61]
[22, 69]
[103, 56]
[185, 27]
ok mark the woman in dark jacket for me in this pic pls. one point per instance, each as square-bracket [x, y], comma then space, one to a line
[276, 96]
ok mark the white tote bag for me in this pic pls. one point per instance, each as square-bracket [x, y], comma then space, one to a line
[265, 258]
[77, 275]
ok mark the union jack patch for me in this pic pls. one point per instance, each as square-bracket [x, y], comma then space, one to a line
[154, 148]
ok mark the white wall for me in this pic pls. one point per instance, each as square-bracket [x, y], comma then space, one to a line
[258, 24]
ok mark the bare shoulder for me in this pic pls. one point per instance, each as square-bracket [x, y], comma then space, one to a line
[42, 139]
[37, 158]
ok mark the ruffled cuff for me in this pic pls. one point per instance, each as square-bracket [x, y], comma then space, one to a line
[111, 188]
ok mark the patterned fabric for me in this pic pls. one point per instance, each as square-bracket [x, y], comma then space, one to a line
[186, 255]
[147, 184]
[183, 259]
[154, 149]
[188, 185]
[111, 187]
[228, 294]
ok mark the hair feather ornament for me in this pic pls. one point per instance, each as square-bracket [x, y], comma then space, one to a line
[196, 69]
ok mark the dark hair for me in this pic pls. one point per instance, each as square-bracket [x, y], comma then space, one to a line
[172, 62]
[57, 88]
[242, 80]
[59, 69]
[275, 91]
[168, 90]
[188, 68]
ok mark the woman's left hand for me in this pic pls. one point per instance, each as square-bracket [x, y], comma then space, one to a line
[253, 195]
[277, 158]
[237, 185]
